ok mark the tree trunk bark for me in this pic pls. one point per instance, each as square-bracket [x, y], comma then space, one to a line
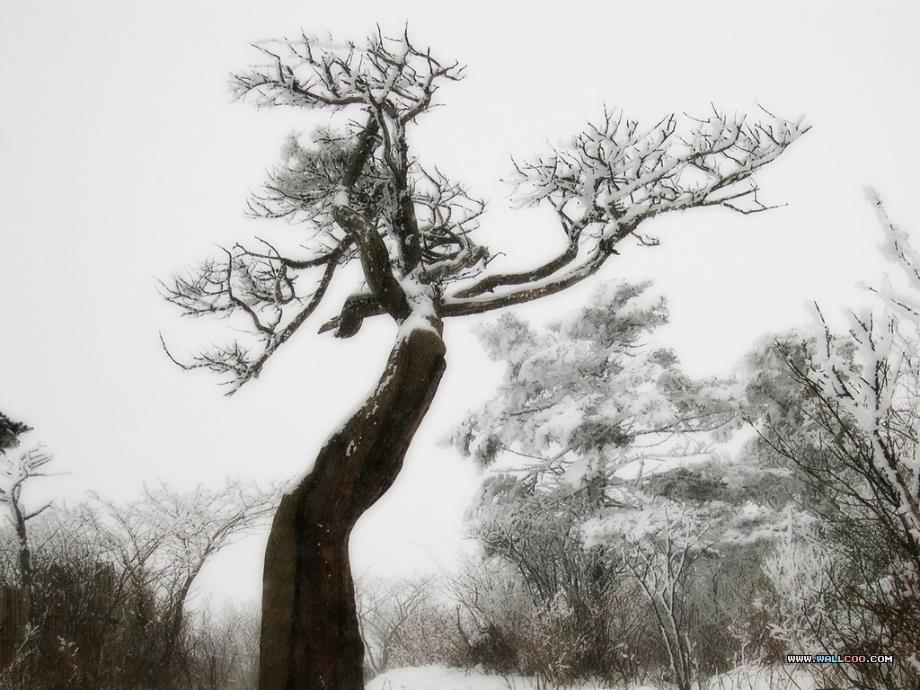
[310, 638]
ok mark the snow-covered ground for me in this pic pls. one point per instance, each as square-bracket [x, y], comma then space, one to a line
[443, 678]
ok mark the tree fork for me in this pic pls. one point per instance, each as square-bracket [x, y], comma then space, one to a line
[310, 636]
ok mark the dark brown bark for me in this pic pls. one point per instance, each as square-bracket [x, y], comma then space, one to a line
[310, 637]
[490, 283]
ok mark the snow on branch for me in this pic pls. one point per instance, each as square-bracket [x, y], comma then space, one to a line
[865, 382]
[898, 249]
[15, 471]
[616, 172]
[389, 73]
[357, 192]
[447, 214]
[259, 288]
[588, 396]
[303, 186]
[614, 175]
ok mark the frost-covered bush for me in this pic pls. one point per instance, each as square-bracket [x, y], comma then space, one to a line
[842, 409]
[566, 610]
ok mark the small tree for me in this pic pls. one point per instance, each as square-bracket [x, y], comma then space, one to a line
[661, 563]
[359, 195]
[386, 611]
[15, 472]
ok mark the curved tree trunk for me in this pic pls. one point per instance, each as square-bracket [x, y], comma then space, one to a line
[310, 637]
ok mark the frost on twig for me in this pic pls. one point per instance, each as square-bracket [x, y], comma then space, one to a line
[615, 174]
[169, 535]
[865, 382]
[898, 249]
[619, 172]
[312, 72]
[17, 469]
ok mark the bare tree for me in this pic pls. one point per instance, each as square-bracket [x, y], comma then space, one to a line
[385, 609]
[214, 647]
[15, 472]
[166, 537]
[110, 588]
[223, 647]
[360, 196]
[662, 567]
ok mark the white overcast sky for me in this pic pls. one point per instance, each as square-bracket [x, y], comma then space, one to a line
[123, 158]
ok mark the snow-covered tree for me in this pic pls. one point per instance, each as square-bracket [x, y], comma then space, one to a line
[661, 563]
[609, 465]
[587, 395]
[842, 407]
[358, 194]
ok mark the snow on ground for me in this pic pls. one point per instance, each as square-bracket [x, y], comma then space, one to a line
[444, 678]
[764, 678]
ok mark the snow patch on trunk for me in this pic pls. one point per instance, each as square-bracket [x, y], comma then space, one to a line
[422, 314]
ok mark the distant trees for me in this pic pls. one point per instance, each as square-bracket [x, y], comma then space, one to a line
[359, 194]
[221, 648]
[166, 537]
[93, 597]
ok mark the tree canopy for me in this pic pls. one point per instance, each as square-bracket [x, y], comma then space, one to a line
[356, 193]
